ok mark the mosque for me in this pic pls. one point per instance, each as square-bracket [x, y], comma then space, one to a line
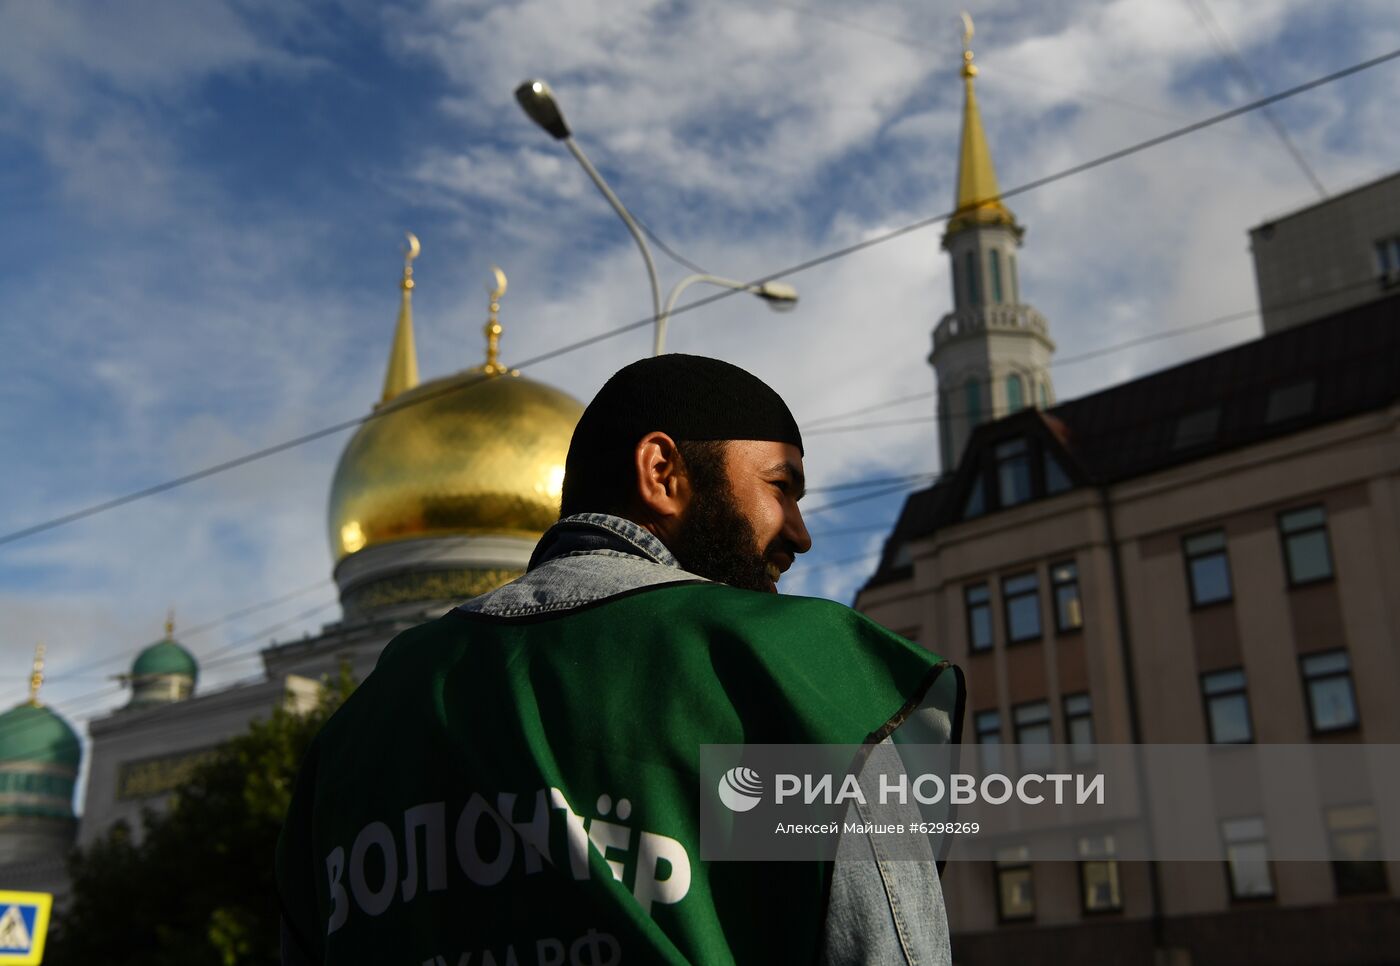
[440, 495]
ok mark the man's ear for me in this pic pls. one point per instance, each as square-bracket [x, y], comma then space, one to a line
[662, 487]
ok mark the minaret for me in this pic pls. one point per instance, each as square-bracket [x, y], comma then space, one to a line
[991, 354]
[402, 374]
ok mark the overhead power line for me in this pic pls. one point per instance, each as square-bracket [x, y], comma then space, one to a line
[817, 426]
[795, 269]
[1220, 37]
[92, 700]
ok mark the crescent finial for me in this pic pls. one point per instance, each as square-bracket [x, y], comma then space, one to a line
[500, 288]
[967, 29]
[413, 249]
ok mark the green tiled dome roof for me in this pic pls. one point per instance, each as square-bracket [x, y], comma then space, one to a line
[33, 733]
[165, 657]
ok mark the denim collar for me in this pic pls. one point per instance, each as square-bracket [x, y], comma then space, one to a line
[585, 533]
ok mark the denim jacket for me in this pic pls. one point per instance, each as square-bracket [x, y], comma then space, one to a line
[881, 910]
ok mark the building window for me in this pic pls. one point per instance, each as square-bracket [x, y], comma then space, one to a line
[1015, 891]
[1013, 472]
[1247, 858]
[1357, 868]
[1015, 393]
[1044, 395]
[1056, 479]
[996, 276]
[1208, 568]
[972, 392]
[988, 727]
[1098, 875]
[1305, 549]
[1015, 282]
[1290, 402]
[974, 294]
[1331, 701]
[1021, 598]
[1227, 707]
[1064, 583]
[976, 503]
[1388, 259]
[1196, 428]
[1079, 727]
[979, 617]
[1032, 724]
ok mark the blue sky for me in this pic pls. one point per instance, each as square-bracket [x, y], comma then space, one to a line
[203, 204]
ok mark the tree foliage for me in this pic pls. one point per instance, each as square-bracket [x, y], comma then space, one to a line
[197, 887]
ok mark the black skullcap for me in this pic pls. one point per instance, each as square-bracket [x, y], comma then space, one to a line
[689, 398]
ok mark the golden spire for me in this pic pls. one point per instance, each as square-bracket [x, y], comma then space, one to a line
[170, 624]
[979, 198]
[493, 365]
[36, 676]
[402, 374]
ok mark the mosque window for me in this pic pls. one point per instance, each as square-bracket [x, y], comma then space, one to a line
[996, 276]
[974, 294]
[1044, 396]
[1015, 391]
[1015, 282]
[973, 391]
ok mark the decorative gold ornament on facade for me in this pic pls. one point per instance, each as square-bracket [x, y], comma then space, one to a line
[36, 676]
[979, 197]
[468, 454]
[402, 373]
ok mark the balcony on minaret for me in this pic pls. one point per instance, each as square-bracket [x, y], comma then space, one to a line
[981, 319]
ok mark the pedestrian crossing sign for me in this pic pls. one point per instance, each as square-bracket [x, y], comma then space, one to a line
[24, 923]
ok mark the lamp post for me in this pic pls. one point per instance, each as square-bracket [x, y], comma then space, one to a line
[779, 296]
[537, 100]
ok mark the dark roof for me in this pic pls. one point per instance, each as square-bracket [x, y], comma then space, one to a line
[918, 516]
[1305, 376]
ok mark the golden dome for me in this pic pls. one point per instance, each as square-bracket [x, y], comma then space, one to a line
[473, 453]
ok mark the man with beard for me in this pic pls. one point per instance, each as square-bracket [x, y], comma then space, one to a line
[517, 781]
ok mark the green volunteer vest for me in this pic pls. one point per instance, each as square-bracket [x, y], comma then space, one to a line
[525, 791]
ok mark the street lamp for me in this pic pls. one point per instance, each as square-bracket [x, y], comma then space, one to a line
[780, 297]
[537, 100]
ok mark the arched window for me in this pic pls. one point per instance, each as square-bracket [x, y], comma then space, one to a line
[957, 289]
[972, 389]
[1015, 393]
[1044, 396]
[996, 276]
[974, 294]
[1015, 282]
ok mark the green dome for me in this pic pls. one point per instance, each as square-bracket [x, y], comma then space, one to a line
[33, 733]
[165, 657]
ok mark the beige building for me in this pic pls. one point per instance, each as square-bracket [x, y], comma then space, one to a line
[1207, 554]
[1340, 252]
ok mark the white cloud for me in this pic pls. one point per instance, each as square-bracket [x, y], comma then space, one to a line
[751, 137]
